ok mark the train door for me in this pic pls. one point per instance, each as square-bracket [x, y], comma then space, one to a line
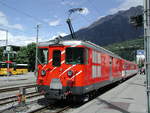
[88, 64]
[111, 68]
[58, 56]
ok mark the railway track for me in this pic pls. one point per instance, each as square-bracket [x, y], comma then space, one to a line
[11, 99]
[47, 108]
[2, 90]
[50, 110]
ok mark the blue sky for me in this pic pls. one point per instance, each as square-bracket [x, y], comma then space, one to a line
[20, 17]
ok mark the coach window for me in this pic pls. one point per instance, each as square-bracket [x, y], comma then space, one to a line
[76, 55]
[43, 55]
[56, 58]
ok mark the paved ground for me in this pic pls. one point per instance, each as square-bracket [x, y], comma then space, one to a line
[129, 97]
[6, 81]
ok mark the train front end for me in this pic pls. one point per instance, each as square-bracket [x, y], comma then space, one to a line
[61, 69]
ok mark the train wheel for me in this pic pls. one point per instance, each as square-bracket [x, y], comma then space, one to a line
[93, 94]
[86, 97]
[78, 99]
[81, 98]
[47, 96]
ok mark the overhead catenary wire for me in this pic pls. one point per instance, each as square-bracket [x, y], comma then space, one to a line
[23, 13]
[30, 16]
[15, 30]
[94, 7]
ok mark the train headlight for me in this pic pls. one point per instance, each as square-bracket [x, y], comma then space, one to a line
[70, 73]
[43, 72]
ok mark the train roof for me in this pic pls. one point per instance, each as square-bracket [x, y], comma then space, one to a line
[76, 43]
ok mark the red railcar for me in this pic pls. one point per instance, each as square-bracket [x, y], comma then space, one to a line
[76, 68]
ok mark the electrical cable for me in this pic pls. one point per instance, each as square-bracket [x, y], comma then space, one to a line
[94, 7]
[22, 12]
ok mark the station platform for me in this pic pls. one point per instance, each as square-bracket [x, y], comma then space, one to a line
[128, 97]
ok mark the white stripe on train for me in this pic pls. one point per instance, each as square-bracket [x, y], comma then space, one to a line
[66, 70]
[76, 74]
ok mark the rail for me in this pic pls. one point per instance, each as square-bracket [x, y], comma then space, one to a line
[42, 109]
[2, 90]
[11, 99]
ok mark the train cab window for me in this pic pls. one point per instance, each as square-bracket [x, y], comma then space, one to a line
[76, 55]
[56, 58]
[43, 55]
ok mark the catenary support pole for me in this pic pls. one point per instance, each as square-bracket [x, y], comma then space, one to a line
[36, 54]
[7, 51]
[147, 47]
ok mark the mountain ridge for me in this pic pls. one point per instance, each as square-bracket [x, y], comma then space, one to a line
[112, 28]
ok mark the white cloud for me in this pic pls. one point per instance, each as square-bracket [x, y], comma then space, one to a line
[16, 26]
[100, 17]
[15, 40]
[84, 12]
[4, 22]
[126, 4]
[46, 20]
[59, 33]
[3, 19]
[63, 34]
[65, 2]
[19, 40]
[2, 37]
[54, 23]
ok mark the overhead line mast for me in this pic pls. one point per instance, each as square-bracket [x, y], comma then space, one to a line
[36, 53]
[147, 47]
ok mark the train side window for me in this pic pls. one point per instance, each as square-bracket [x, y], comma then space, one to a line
[56, 58]
[76, 55]
[43, 55]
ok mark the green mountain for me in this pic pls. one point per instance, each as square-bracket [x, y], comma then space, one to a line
[127, 49]
[112, 28]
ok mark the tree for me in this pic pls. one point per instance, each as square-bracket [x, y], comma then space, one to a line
[31, 55]
[22, 57]
[1, 54]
